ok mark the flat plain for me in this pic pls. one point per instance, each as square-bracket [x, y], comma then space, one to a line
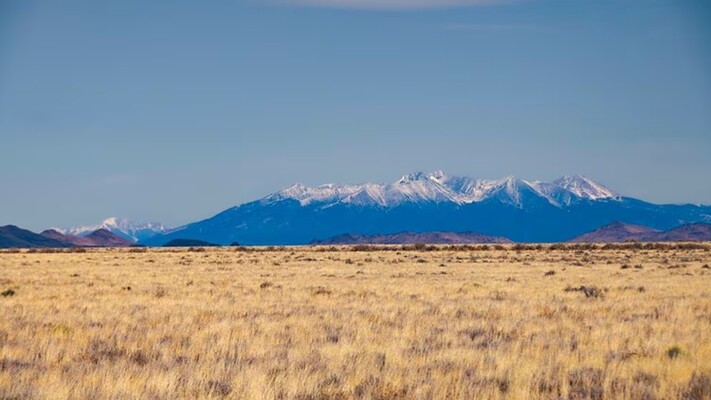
[307, 323]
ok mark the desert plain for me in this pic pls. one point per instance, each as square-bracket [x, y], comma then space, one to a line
[628, 321]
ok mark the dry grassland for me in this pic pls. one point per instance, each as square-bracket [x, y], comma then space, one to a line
[307, 323]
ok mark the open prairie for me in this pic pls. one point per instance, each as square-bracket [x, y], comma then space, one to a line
[475, 322]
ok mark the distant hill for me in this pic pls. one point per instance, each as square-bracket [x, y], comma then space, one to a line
[12, 236]
[698, 232]
[616, 232]
[413, 237]
[188, 243]
[98, 238]
[621, 232]
[69, 239]
[105, 238]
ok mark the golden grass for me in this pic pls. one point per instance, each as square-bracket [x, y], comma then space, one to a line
[308, 323]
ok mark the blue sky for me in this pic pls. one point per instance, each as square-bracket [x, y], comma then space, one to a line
[174, 110]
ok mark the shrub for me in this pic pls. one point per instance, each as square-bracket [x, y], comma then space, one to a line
[674, 352]
[699, 387]
[321, 290]
[219, 388]
[586, 383]
[419, 246]
[589, 291]
[362, 247]
[160, 292]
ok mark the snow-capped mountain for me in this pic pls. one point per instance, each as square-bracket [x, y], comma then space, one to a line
[125, 228]
[307, 195]
[517, 209]
[438, 187]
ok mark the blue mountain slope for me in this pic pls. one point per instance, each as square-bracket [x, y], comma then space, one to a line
[519, 210]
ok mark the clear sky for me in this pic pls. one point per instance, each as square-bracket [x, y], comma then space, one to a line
[174, 110]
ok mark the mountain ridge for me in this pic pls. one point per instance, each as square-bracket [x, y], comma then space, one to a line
[413, 238]
[520, 210]
[439, 187]
[98, 238]
[621, 232]
[122, 227]
[12, 236]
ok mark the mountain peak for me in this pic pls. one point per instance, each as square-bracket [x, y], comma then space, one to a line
[111, 221]
[584, 187]
[296, 191]
[511, 182]
[122, 227]
[105, 238]
[307, 195]
[438, 176]
[413, 176]
[438, 187]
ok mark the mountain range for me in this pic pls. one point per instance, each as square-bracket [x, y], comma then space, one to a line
[520, 210]
[122, 227]
[13, 237]
[98, 238]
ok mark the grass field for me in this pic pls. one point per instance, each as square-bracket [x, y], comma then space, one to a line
[382, 323]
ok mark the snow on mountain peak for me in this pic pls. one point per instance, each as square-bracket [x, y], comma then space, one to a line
[412, 177]
[417, 187]
[437, 176]
[135, 231]
[510, 183]
[111, 221]
[306, 195]
[438, 187]
[584, 187]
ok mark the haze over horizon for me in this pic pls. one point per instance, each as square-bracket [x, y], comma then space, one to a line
[172, 112]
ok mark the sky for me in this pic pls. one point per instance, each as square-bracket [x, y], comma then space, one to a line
[172, 111]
